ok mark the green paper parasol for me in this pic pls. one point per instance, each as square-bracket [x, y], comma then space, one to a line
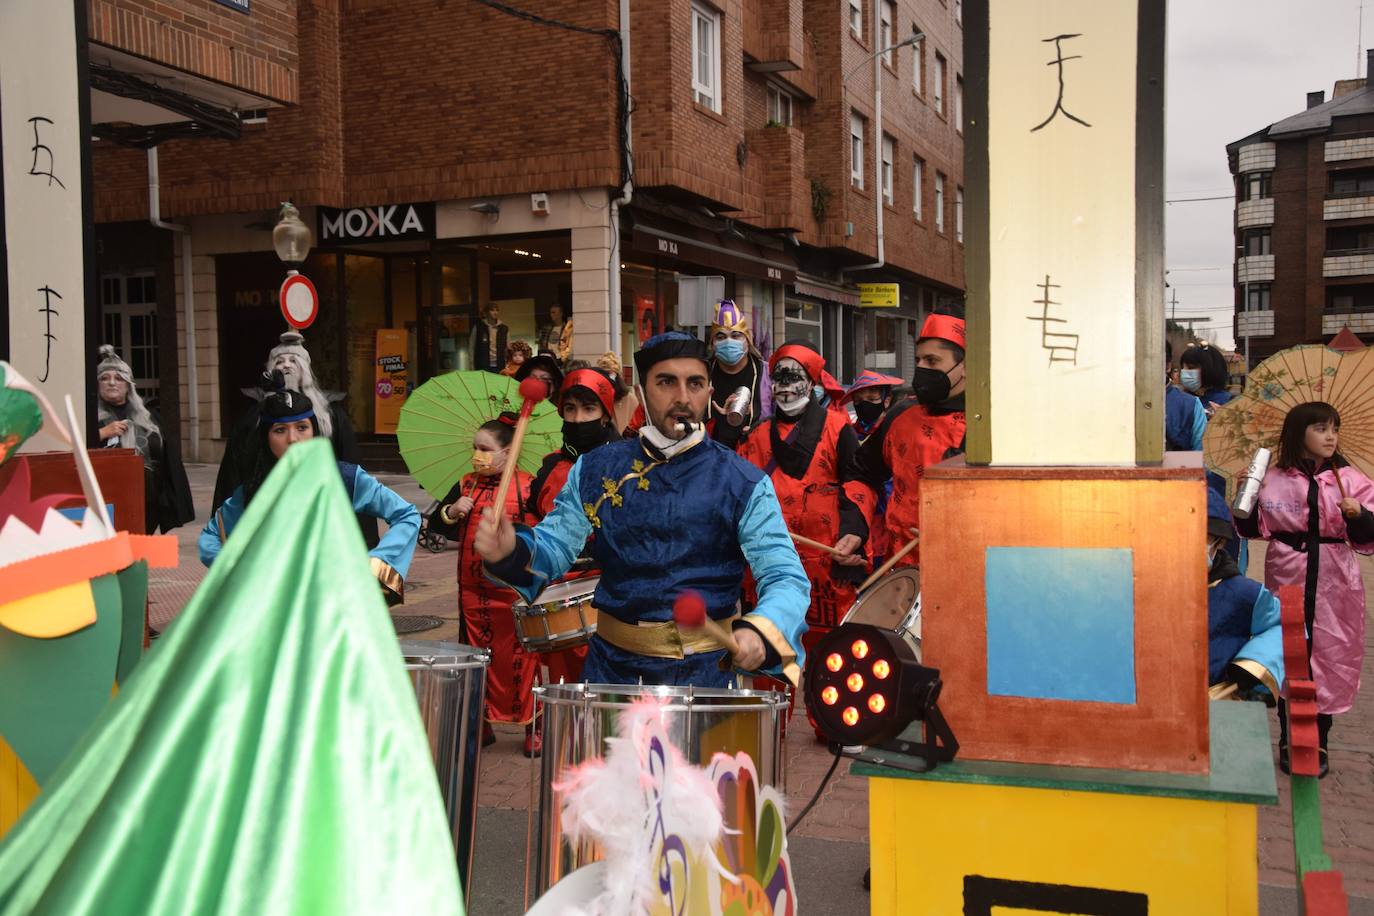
[440, 417]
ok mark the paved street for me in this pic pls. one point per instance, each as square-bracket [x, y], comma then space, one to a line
[830, 847]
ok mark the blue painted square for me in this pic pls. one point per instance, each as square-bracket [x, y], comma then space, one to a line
[77, 513]
[1061, 623]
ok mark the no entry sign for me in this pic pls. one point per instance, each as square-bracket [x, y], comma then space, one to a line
[299, 301]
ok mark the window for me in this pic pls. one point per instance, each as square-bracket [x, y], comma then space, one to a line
[885, 35]
[889, 150]
[918, 185]
[959, 13]
[918, 62]
[939, 202]
[1255, 186]
[856, 149]
[959, 104]
[1258, 298]
[1256, 242]
[1358, 298]
[706, 56]
[939, 83]
[856, 19]
[128, 308]
[958, 214]
[1351, 184]
[802, 321]
[1344, 239]
[779, 107]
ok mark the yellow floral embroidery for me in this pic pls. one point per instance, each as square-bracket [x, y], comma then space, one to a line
[639, 472]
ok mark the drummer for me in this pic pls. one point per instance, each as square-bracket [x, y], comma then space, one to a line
[586, 402]
[672, 511]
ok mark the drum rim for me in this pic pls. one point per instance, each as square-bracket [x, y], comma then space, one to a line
[418, 653]
[581, 694]
[565, 584]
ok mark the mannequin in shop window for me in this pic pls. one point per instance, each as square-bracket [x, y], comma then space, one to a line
[556, 336]
[736, 363]
[489, 340]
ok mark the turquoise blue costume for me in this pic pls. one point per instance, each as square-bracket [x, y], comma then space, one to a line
[697, 521]
[392, 555]
[1244, 637]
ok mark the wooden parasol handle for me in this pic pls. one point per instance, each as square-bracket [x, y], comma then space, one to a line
[891, 562]
[1340, 488]
[814, 545]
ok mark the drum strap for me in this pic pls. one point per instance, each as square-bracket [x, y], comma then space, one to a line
[658, 640]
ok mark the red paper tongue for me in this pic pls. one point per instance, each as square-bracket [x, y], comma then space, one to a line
[689, 610]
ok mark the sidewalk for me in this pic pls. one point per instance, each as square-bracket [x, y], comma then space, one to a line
[841, 816]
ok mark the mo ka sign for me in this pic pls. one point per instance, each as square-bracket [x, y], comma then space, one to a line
[381, 223]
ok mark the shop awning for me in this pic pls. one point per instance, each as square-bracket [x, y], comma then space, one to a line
[826, 291]
[699, 247]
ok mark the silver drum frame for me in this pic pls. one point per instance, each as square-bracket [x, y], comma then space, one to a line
[699, 721]
[450, 681]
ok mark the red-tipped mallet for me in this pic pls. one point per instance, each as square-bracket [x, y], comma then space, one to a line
[532, 391]
[689, 613]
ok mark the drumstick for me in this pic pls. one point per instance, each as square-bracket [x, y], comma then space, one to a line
[1340, 488]
[689, 613]
[532, 391]
[815, 545]
[891, 562]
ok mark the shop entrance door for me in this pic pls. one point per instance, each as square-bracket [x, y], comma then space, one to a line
[446, 318]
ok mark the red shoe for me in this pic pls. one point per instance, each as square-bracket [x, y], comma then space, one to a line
[534, 744]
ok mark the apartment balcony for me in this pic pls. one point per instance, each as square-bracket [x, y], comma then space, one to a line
[773, 35]
[1256, 268]
[786, 189]
[1255, 213]
[1357, 148]
[1255, 324]
[1359, 322]
[1347, 207]
[1255, 157]
[1356, 263]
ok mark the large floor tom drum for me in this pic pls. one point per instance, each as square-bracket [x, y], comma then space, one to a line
[450, 682]
[578, 718]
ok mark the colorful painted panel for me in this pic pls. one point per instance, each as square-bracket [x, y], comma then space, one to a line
[1061, 623]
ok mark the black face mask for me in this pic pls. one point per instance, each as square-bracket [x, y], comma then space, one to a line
[583, 437]
[931, 386]
[868, 412]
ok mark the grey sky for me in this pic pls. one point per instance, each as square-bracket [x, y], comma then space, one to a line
[1235, 66]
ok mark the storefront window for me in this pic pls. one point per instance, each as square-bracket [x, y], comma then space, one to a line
[761, 318]
[804, 322]
[648, 306]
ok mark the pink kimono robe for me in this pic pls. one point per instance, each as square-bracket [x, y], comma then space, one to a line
[1336, 606]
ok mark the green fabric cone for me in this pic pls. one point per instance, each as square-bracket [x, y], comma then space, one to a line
[266, 757]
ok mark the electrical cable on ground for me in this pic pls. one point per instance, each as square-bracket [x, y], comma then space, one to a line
[825, 780]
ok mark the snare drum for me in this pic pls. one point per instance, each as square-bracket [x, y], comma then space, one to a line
[892, 603]
[561, 616]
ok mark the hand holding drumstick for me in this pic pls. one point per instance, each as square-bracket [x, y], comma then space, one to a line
[744, 645]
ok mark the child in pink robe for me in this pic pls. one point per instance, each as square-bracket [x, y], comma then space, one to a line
[1314, 525]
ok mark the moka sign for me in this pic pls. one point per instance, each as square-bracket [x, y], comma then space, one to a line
[382, 223]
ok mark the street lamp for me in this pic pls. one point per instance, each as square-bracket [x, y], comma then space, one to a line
[291, 237]
[913, 39]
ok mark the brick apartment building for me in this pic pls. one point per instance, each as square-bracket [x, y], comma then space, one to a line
[449, 154]
[1305, 222]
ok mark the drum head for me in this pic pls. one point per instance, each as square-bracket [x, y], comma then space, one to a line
[888, 602]
[568, 590]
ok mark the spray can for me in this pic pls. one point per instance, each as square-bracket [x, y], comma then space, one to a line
[1248, 491]
[737, 406]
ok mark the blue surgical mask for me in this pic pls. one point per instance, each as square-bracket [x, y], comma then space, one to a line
[818, 393]
[730, 352]
[1190, 379]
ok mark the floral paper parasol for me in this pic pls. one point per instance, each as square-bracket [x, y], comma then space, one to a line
[1283, 381]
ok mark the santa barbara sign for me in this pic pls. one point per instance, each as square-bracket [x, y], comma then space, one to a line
[383, 222]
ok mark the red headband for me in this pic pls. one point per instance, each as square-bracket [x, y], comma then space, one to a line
[595, 381]
[810, 360]
[945, 327]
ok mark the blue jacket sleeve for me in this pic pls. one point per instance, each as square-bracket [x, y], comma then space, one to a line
[783, 589]
[547, 551]
[397, 547]
[218, 528]
[1262, 656]
[1199, 425]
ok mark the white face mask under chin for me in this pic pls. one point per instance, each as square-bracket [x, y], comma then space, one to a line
[794, 406]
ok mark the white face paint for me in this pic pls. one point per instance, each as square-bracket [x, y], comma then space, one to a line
[792, 387]
[290, 368]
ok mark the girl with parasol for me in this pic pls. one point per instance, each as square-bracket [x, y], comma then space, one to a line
[1313, 510]
[484, 606]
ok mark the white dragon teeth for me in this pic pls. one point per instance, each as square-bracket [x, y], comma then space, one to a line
[19, 542]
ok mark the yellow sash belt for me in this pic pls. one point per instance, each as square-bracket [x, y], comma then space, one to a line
[658, 640]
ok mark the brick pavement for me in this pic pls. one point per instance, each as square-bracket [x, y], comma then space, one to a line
[841, 814]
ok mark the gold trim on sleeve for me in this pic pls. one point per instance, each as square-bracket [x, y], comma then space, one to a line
[769, 630]
[393, 586]
[1261, 673]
